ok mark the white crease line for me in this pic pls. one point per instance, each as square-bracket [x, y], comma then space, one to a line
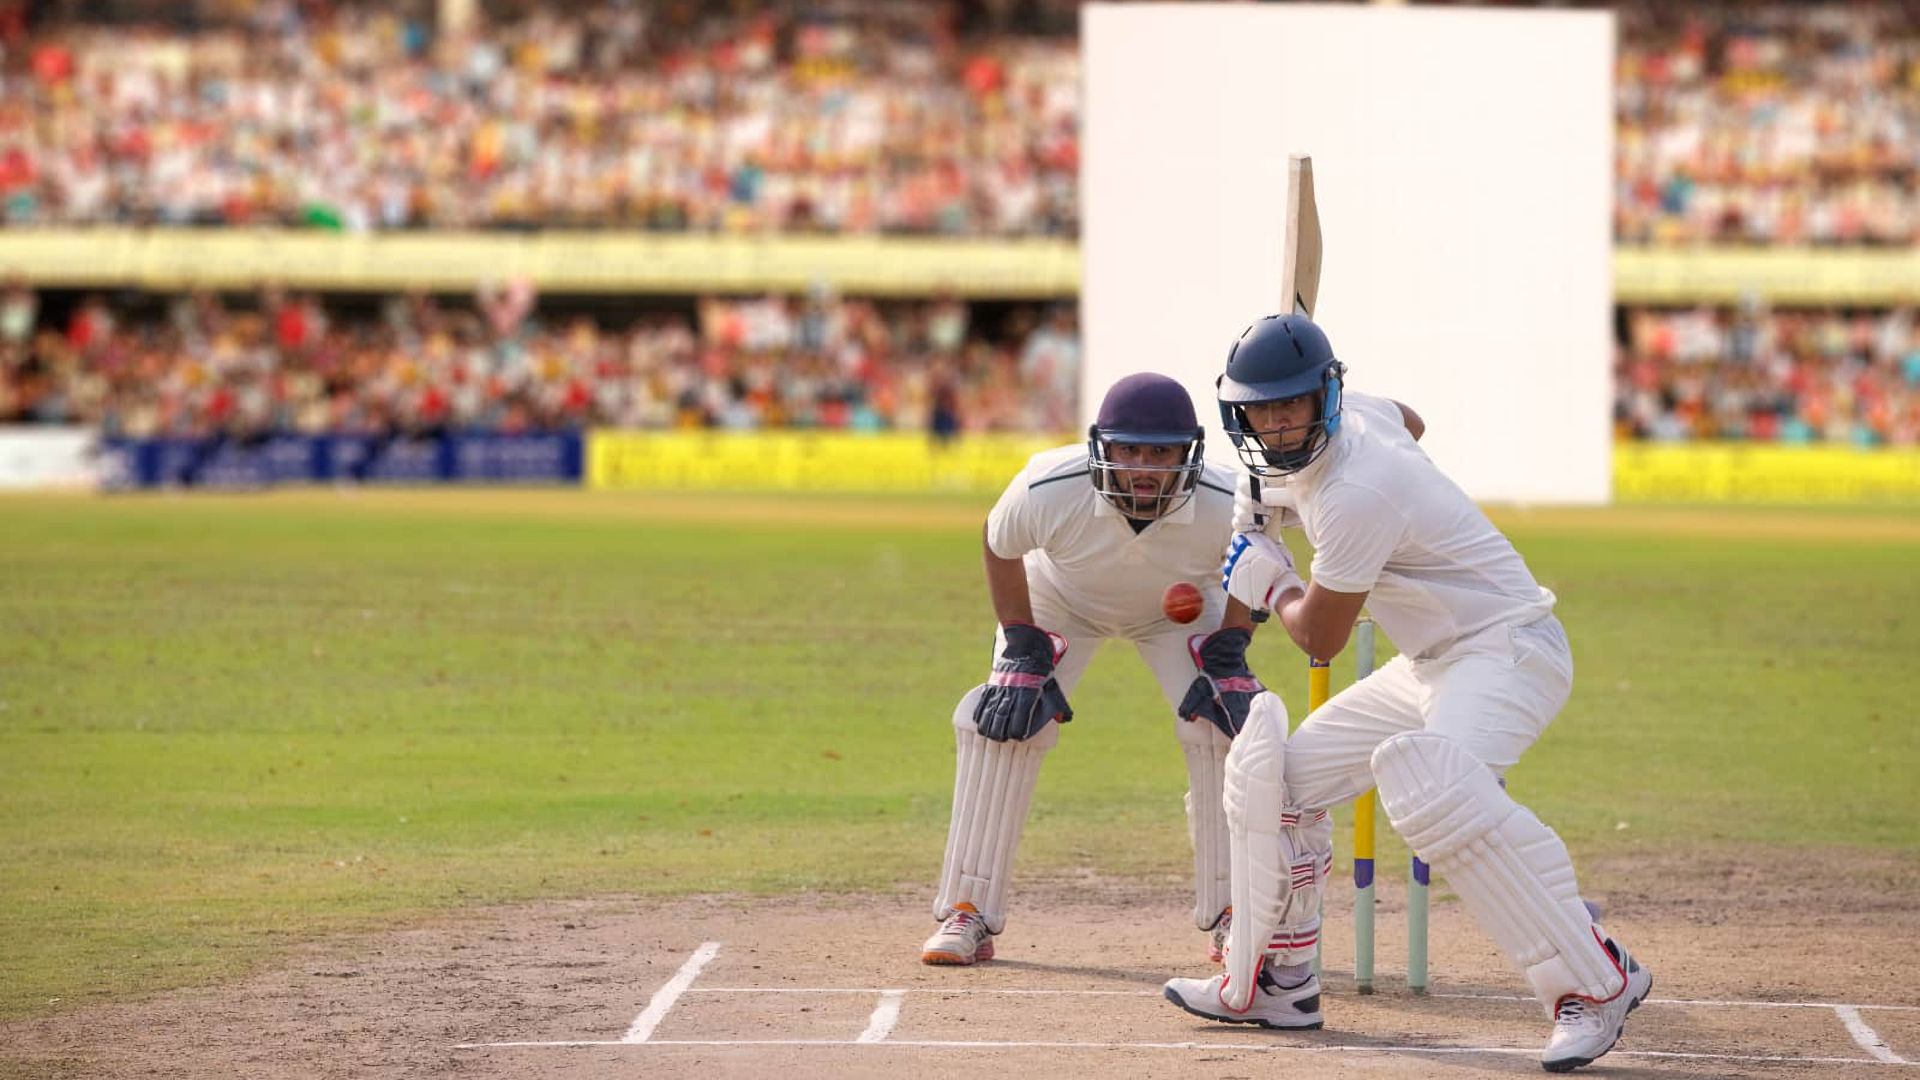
[664, 997]
[885, 1015]
[1209, 1046]
[910, 990]
[1706, 1001]
[1157, 993]
[1869, 1039]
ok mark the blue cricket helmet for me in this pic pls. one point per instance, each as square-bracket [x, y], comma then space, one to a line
[1146, 409]
[1280, 357]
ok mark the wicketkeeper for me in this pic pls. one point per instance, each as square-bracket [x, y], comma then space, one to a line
[1078, 551]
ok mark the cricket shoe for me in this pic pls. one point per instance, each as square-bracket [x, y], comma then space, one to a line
[1217, 937]
[1584, 1029]
[1292, 1009]
[962, 939]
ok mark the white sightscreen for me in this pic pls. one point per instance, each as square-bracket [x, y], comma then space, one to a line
[1462, 160]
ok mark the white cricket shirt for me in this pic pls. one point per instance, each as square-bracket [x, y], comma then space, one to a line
[1383, 519]
[1080, 545]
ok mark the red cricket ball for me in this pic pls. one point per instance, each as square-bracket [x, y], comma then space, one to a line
[1182, 602]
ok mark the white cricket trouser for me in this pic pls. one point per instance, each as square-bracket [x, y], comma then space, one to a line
[1493, 693]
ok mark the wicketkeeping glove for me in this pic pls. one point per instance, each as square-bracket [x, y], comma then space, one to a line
[1021, 695]
[1224, 689]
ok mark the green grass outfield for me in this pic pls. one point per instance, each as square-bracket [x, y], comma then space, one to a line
[228, 724]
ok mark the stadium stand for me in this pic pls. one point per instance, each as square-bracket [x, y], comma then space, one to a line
[1767, 125]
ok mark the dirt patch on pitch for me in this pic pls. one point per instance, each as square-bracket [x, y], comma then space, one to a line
[794, 985]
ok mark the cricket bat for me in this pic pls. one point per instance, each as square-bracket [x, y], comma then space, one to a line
[1300, 263]
[1300, 260]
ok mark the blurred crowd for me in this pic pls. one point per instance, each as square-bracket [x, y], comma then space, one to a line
[1768, 123]
[841, 116]
[285, 362]
[1737, 121]
[200, 363]
[1749, 373]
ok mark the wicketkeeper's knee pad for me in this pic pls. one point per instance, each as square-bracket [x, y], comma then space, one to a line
[992, 791]
[1205, 747]
[1512, 871]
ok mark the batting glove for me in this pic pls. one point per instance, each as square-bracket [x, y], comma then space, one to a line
[1257, 571]
[1263, 508]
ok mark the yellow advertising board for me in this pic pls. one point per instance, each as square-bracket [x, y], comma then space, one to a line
[1784, 276]
[1764, 473]
[823, 461]
[558, 261]
[613, 261]
[911, 462]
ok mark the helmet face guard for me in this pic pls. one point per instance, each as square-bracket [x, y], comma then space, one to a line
[1259, 448]
[1171, 495]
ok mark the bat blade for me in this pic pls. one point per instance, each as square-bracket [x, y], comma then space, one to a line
[1300, 261]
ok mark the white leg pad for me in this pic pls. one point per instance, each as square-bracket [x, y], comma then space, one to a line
[1276, 876]
[992, 790]
[1510, 870]
[1309, 836]
[1206, 749]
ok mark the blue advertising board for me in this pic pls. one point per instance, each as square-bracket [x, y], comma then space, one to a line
[227, 462]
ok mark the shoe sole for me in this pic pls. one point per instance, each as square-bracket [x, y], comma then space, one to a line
[1253, 1020]
[948, 959]
[1570, 1064]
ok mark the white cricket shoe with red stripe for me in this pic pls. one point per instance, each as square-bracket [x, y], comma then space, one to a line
[1296, 1008]
[1584, 1029]
[962, 939]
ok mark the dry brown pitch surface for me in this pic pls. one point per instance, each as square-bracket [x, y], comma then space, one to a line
[1800, 970]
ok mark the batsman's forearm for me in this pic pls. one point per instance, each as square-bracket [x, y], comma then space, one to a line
[1006, 585]
[1290, 609]
[1320, 620]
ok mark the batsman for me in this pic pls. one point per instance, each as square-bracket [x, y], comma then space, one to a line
[1484, 668]
[1078, 551]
